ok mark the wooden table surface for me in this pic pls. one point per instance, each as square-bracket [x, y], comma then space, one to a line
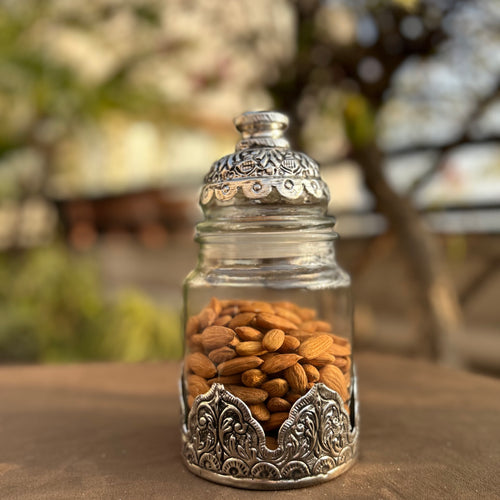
[109, 431]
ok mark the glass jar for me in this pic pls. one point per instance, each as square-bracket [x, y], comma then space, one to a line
[268, 390]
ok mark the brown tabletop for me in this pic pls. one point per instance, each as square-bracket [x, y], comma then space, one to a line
[112, 431]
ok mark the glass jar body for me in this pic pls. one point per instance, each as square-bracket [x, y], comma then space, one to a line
[268, 314]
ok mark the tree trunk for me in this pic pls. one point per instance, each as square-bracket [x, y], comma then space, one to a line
[439, 313]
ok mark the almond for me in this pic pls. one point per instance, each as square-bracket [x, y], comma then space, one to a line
[340, 350]
[270, 321]
[273, 339]
[311, 372]
[278, 404]
[248, 394]
[214, 337]
[223, 320]
[339, 340]
[231, 310]
[301, 335]
[271, 443]
[197, 385]
[333, 378]
[260, 411]
[206, 317]
[215, 305]
[316, 325]
[199, 364]
[241, 319]
[239, 365]
[190, 401]
[279, 362]
[296, 378]
[287, 314]
[313, 347]
[195, 343]
[322, 360]
[257, 307]
[292, 396]
[306, 314]
[249, 333]
[192, 326]
[277, 387]
[340, 362]
[290, 344]
[275, 421]
[221, 354]
[250, 348]
[253, 377]
[227, 379]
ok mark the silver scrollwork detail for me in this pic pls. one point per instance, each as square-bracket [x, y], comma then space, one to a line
[257, 171]
[224, 443]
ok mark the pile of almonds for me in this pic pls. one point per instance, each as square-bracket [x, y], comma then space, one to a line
[266, 354]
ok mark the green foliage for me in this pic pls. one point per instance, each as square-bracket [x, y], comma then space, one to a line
[52, 309]
[359, 120]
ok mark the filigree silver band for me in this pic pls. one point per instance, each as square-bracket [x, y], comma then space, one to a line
[256, 171]
[222, 442]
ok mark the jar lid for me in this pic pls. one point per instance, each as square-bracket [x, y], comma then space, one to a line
[263, 168]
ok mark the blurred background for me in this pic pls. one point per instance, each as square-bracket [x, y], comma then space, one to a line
[112, 112]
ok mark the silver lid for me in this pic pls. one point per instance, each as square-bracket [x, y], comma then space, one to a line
[263, 165]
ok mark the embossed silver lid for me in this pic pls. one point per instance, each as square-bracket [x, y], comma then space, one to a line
[263, 168]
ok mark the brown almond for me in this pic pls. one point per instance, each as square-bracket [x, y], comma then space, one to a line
[322, 360]
[312, 372]
[271, 443]
[253, 377]
[214, 337]
[257, 307]
[223, 320]
[275, 421]
[260, 411]
[339, 340]
[273, 339]
[277, 387]
[306, 314]
[206, 317]
[227, 379]
[249, 333]
[316, 325]
[249, 395]
[339, 350]
[239, 365]
[292, 396]
[215, 305]
[333, 378]
[197, 385]
[287, 314]
[301, 335]
[296, 378]
[279, 362]
[340, 362]
[195, 343]
[231, 310]
[199, 364]
[192, 325]
[242, 319]
[270, 321]
[313, 347]
[221, 354]
[286, 305]
[250, 348]
[278, 404]
[290, 344]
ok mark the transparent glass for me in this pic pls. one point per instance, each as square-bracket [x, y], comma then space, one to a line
[267, 310]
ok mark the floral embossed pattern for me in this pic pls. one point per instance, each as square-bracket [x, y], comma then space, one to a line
[222, 438]
[257, 171]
